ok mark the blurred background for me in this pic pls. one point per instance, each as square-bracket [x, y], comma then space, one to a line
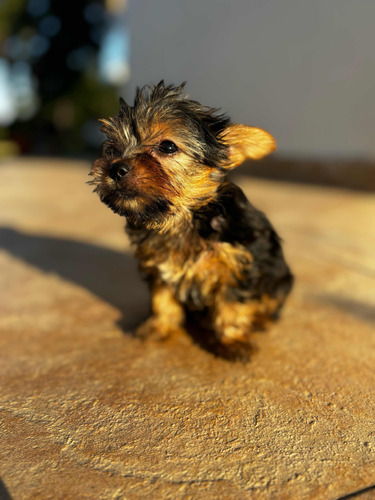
[305, 71]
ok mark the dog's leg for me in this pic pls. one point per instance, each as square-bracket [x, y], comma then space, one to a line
[234, 321]
[168, 315]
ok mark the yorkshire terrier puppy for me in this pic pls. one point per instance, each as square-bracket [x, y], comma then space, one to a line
[201, 245]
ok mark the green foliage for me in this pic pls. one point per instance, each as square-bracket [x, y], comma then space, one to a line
[70, 95]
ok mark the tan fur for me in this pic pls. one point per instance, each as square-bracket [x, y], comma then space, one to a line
[247, 143]
[167, 317]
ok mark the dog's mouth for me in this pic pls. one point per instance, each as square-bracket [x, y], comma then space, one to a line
[143, 206]
[118, 199]
[125, 194]
[138, 209]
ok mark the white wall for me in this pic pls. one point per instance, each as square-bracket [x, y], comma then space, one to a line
[302, 69]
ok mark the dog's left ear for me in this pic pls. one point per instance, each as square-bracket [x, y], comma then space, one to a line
[246, 143]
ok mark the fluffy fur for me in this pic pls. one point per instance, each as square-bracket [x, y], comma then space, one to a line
[201, 245]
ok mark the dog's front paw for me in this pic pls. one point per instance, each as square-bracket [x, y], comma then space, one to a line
[237, 350]
[157, 329]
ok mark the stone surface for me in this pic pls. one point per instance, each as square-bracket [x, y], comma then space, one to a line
[88, 411]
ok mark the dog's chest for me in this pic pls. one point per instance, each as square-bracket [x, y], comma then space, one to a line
[172, 260]
[196, 269]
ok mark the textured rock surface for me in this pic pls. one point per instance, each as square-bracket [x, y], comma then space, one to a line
[87, 411]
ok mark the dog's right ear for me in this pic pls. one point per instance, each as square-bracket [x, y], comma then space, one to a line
[124, 107]
[245, 142]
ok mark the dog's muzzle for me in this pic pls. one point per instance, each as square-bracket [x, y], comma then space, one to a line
[118, 170]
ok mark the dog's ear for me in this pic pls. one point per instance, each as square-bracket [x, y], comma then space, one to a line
[245, 142]
[124, 107]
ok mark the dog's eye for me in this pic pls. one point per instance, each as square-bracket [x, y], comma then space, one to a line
[168, 147]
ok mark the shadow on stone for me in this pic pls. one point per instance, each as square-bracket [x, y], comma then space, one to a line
[4, 495]
[107, 273]
[362, 492]
[111, 275]
[362, 310]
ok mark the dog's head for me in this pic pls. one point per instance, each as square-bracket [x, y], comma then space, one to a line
[166, 155]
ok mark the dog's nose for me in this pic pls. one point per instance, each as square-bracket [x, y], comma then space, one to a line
[118, 170]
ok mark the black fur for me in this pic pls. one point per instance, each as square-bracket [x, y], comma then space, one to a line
[233, 219]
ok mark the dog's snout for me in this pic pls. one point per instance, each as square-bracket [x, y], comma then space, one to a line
[118, 170]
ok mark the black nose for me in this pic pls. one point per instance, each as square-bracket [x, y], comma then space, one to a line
[118, 170]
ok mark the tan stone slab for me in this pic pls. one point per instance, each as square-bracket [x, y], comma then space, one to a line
[87, 411]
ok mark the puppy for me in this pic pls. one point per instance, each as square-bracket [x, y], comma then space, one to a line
[200, 244]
